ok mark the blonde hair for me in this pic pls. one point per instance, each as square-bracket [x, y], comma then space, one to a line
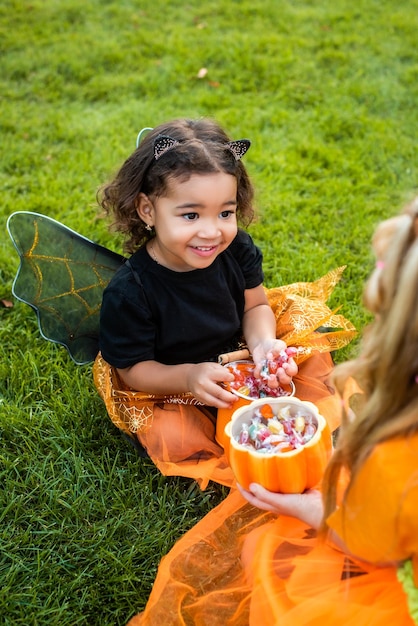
[387, 366]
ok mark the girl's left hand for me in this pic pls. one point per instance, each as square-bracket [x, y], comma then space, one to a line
[305, 506]
[271, 350]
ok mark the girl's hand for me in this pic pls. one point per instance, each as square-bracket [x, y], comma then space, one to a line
[305, 506]
[203, 381]
[273, 352]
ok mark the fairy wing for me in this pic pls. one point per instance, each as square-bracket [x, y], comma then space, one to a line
[62, 276]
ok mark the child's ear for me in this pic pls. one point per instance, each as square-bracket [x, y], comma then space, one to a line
[145, 209]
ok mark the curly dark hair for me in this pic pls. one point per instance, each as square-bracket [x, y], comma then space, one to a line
[201, 150]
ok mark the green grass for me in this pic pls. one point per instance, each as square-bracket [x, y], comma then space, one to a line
[327, 93]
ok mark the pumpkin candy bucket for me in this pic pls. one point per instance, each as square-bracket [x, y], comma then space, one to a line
[247, 389]
[282, 443]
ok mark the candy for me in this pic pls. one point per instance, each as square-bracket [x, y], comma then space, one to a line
[246, 384]
[267, 432]
[299, 424]
[271, 366]
[275, 426]
[266, 411]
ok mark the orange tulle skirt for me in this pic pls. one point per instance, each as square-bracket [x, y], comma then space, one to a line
[240, 566]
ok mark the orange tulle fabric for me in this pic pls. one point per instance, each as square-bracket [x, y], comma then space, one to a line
[182, 442]
[240, 566]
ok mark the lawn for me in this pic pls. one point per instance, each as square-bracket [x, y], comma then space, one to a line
[327, 93]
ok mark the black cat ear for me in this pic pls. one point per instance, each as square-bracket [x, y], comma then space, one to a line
[239, 147]
[162, 144]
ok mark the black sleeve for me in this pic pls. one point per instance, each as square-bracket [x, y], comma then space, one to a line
[127, 329]
[249, 257]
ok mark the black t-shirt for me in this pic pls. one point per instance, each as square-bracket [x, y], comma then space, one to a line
[152, 313]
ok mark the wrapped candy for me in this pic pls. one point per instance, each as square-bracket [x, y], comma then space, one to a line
[247, 385]
[280, 431]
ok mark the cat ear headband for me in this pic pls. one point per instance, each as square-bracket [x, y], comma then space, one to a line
[238, 147]
[163, 143]
[141, 132]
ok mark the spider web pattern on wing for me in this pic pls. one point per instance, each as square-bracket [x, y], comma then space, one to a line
[62, 276]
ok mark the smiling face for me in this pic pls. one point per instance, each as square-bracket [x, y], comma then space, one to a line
[194, 221]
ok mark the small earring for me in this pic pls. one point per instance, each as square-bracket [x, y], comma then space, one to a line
[148, 228]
